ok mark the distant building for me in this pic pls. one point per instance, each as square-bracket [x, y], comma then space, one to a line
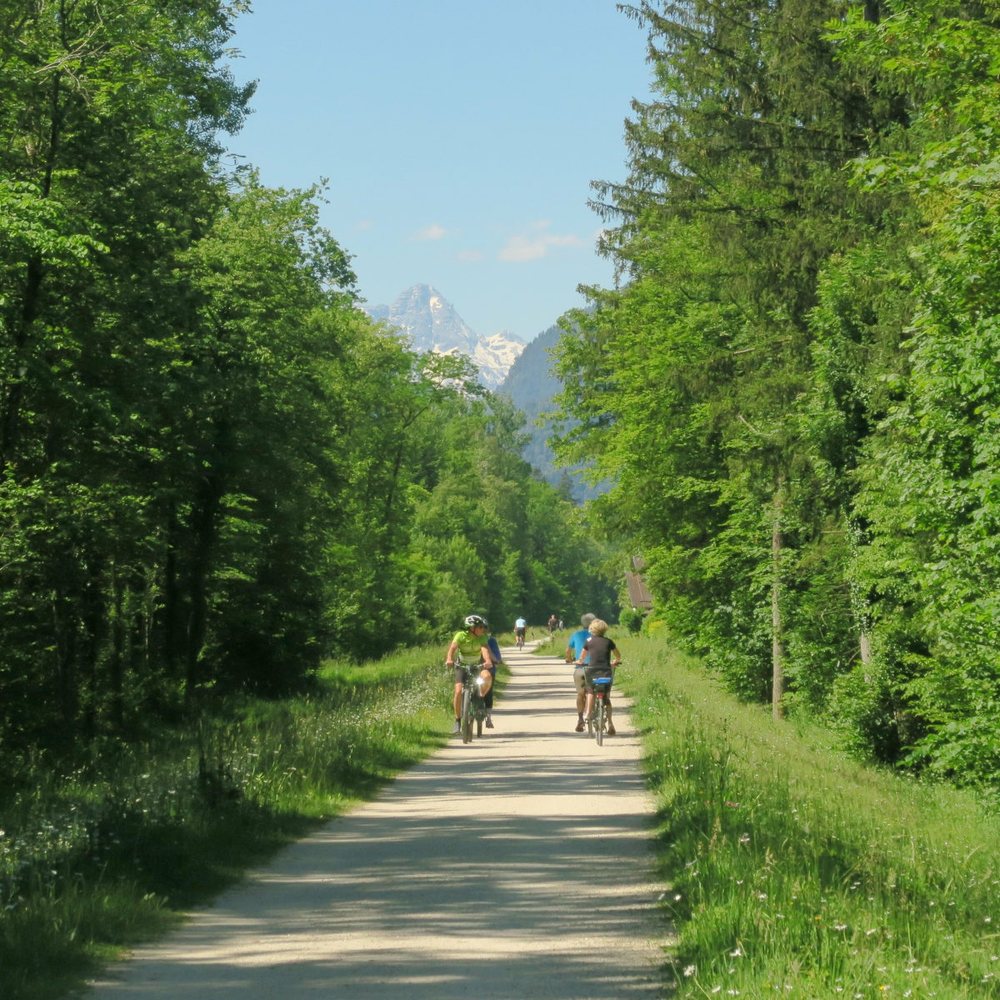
[638, 593]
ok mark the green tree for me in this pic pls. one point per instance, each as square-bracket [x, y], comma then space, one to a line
[689, 381]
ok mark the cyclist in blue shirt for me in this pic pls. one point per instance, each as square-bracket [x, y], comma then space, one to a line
[520, 627]
[497, 660]
[573, 649]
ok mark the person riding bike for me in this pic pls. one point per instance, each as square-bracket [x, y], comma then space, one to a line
[520, 627]
[471, 647]
[604, 657]
[574, 647]
[497, 660]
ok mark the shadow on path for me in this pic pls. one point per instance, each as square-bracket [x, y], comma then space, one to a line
[517, 866]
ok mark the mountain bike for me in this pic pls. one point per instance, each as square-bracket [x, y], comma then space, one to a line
[473, 704]
[520, 638]
[597, 721]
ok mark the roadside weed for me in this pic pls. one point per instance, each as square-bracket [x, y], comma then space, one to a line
[794, 871]
[102, 853]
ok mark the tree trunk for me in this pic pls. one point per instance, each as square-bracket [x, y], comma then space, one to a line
[777, 636]
[204, 525]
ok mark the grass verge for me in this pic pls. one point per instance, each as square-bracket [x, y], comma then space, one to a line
[104, 855]
[794, 871]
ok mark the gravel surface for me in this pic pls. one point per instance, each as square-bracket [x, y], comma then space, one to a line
[516, 867]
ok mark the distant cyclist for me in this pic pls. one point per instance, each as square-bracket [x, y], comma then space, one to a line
[604, 657]
[574, 647]
[471, 647]
[520, 627]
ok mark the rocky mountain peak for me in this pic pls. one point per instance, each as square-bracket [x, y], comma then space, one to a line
[432, 324]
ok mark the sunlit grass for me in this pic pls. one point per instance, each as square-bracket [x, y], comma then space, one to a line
[103, 854]
[794, 871]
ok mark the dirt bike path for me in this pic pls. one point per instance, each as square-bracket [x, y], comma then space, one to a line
[517, 867]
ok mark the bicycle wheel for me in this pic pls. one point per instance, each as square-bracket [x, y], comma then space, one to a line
[467, 716]
[601, 722]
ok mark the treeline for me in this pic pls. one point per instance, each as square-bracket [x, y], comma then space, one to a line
[214, 468]
[796, 383]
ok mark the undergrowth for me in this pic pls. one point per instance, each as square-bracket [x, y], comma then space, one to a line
[793, 871]
[106, 853]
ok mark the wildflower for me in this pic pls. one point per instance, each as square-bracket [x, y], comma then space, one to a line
[737, 952]
[690, 970]
[744, 838]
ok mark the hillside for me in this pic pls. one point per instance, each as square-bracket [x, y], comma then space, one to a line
[532, 387]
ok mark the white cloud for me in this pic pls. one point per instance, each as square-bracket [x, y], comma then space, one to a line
[469, 255]
[536, 243]
[364, 224]
[432, 232]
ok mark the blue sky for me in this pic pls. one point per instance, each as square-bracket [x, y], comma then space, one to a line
[459, 139]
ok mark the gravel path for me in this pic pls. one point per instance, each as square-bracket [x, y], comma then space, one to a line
[514, 868]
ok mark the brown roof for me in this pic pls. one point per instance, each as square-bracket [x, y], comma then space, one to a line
[638, 593]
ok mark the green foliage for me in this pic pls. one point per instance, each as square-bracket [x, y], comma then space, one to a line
[793, 384]
[108, 851]
[789, 868]
[631, 619]
[214, 469]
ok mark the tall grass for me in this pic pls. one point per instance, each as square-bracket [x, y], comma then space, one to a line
[796, 872]
[105, 853]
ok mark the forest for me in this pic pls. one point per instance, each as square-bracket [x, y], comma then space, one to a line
[794, 382]
[216, 471]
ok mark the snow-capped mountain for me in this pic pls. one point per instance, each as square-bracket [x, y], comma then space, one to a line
[432, 324]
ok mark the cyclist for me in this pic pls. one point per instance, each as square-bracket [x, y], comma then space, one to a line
[497, 660]
[520, 626]
[574, 648]
[604, 657]
[470, 645]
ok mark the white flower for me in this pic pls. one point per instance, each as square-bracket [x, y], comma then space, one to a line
[690, 970]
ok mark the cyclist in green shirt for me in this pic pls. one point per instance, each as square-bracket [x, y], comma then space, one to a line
[469, 648]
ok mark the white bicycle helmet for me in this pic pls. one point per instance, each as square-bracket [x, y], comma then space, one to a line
[472, 621]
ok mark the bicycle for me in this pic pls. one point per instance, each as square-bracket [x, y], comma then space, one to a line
[597, 721]
[520, 638]
[473, 705]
